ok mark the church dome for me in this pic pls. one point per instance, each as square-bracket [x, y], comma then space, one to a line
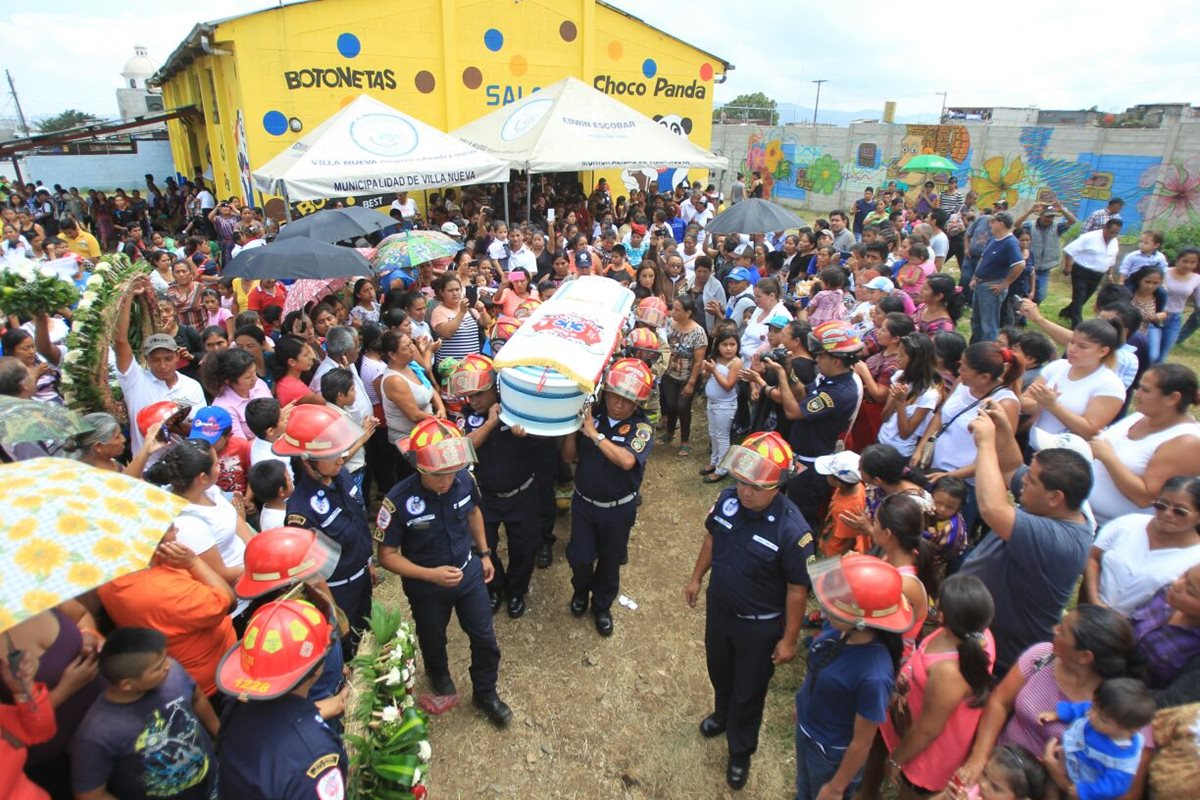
[140, 67]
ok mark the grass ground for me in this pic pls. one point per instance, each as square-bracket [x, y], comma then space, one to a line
[616, 718]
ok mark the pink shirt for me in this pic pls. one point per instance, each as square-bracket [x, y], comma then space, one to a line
[913, 276]
[218, 319]
[235, 404]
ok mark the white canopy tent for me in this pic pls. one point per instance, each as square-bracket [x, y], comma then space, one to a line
[570, 126]
[370, 147]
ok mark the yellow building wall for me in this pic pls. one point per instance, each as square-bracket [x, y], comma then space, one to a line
[445, 62]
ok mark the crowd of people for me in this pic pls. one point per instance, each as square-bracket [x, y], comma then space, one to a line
[862, 448]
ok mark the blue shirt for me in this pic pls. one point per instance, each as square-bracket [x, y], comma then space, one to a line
[1099, 767]
[1000, 256]
[336, 511]
[756, 554]
[430, 530]
[857, 682]
[824, 415]
[597, 478]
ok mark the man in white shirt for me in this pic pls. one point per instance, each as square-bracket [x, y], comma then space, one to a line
[696, 210]
[407, 208]
[158, 380]
[341, 350]
[206, 200]
[520, 256]
[843, 237]
[1087, 260]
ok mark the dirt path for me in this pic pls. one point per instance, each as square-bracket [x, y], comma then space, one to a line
[601, 718]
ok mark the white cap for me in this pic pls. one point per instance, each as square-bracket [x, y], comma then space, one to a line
[843, 466]
[450, 229]
[881, 284]
[1043, 440]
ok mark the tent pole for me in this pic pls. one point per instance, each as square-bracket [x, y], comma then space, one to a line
[528, 195]
[287, 205]
[506, 220]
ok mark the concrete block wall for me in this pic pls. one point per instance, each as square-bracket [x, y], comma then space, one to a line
[1156, 171]
[106, 171]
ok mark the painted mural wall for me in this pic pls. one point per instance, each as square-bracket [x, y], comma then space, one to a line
[1156, 172]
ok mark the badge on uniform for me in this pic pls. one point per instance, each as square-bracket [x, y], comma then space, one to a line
[296, 520]
[475, 421]
[815, 404]
[319, 503]
[414, 505]
[624, 429]
[729, 507]
[383, 518]
[638, 445]
[321, 764]
[643, 432]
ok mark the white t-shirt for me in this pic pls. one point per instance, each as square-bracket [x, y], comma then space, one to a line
[1075, 395]
[270, 518]
[260, 450]
[203, 527]
[141, 389]
[940, 245]
[889, 433]
[407, 209]
[1130, 572]
[206, 200]
[754, 337]
[955, 448]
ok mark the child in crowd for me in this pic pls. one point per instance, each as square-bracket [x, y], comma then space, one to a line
[1012, 773]
[263, 420]
[618, 266]
[1036, 350]
[1148, 254]
[366, 307]
[270, 487]
[917, 269]
[948, 532]
[829, 303]
[339, 391]
[216, 315]
[721, 393]
[272, 319]
[836, 537]
[885, 305]
[415, 305]
[214, 425]
[1102, 747]
[149, 734]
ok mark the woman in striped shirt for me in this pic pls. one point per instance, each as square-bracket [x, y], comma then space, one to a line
[457, 324]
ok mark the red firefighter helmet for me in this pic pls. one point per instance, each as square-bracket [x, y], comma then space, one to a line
[863, 591]
[436, 447]
[504, 329]
[316, 432]
[763, 459]
[284, 641]
[474, 373]
[526, 308]
[284, 556]
[629, 378]
[161, 411]
[644, 339]
[651, 311]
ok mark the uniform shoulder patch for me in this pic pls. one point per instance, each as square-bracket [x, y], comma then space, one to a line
[816, 403]
[637, 445]
[388, 504]
[805, 540]
[321, 764]
[296, 520]
[643, 432]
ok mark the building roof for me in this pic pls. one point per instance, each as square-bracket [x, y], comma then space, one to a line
[199, 41]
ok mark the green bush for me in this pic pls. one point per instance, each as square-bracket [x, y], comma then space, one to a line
[1177, 238]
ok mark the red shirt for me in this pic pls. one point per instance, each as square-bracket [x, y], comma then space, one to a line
[233, 463]
[257, 300]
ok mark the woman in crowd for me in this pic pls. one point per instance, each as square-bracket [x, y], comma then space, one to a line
[161, 277]
[1135, 555]
[513, 293]
[294, 357]
[252, 339]
[1182, 283]
[948, 350]
[768, 300]
[186, 294]
[105, 443]
[1081, 393]
[940, 694]
[231, 378]
[457, 325]
[1134, 456]
[406, 393]
[987, 372]
[876, 376]
[913, 395]
[650, 281]
[1166, 633]
[897, 532]
[688, 343]
[1091, 644]
[940, 307]
[885, 471]
[20, 343]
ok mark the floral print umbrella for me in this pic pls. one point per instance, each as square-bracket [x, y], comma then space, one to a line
[68, 527]
[410, 248]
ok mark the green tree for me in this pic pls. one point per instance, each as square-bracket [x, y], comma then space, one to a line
[755, 105]
[71, 118]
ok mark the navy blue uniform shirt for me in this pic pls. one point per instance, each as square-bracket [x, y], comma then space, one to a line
[506, 460]
[334, 510]
[430, 530]
[596, 477]
[756, 554]
[825, 415]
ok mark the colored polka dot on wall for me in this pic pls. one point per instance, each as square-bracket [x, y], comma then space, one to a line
[518, 65]
[472, 78]
[649, 68]
[706, 71]
[568, 31]
[493, 40]
[275, 123]
[615, 50]
[425, 81]
[348, 45]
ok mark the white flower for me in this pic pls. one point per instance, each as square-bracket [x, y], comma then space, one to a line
[393, 677]
[391, 714]
[71, 357]
[83, 305]
[94, 282]
[424, 751]
[408, 701]
[416, 775]
[90, 296]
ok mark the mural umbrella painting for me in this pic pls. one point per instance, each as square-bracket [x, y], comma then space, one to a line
[336, 224]
[370, 147]
[754, 216]
[930, 163]
[569, 126]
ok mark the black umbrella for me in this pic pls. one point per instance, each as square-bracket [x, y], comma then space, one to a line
[754, 216]
[298, 257]
[336, 224]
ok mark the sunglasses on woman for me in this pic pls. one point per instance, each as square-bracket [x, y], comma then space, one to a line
[1163, 505]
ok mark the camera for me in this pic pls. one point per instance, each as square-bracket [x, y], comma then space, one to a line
[779, 355]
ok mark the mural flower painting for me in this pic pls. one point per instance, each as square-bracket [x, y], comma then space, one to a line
[773, 155]
[825, 174]
[1176, 197]
[994, 182]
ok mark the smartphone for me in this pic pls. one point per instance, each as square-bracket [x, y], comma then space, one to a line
[472, 295]
[516, 275]
[550, 215]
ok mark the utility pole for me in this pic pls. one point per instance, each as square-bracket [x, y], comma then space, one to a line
[817, 104]
[20, 114]
[942, 118]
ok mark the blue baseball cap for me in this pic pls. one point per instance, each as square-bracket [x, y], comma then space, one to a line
[778, 321]
[210, 424]
[583, 259]
[738, 274]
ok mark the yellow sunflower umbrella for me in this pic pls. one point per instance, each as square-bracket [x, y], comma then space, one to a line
[66, 527]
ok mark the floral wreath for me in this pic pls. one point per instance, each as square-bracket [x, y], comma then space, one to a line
[86, 382]
[387, 732]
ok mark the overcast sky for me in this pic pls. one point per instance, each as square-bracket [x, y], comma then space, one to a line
[1053, 54]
